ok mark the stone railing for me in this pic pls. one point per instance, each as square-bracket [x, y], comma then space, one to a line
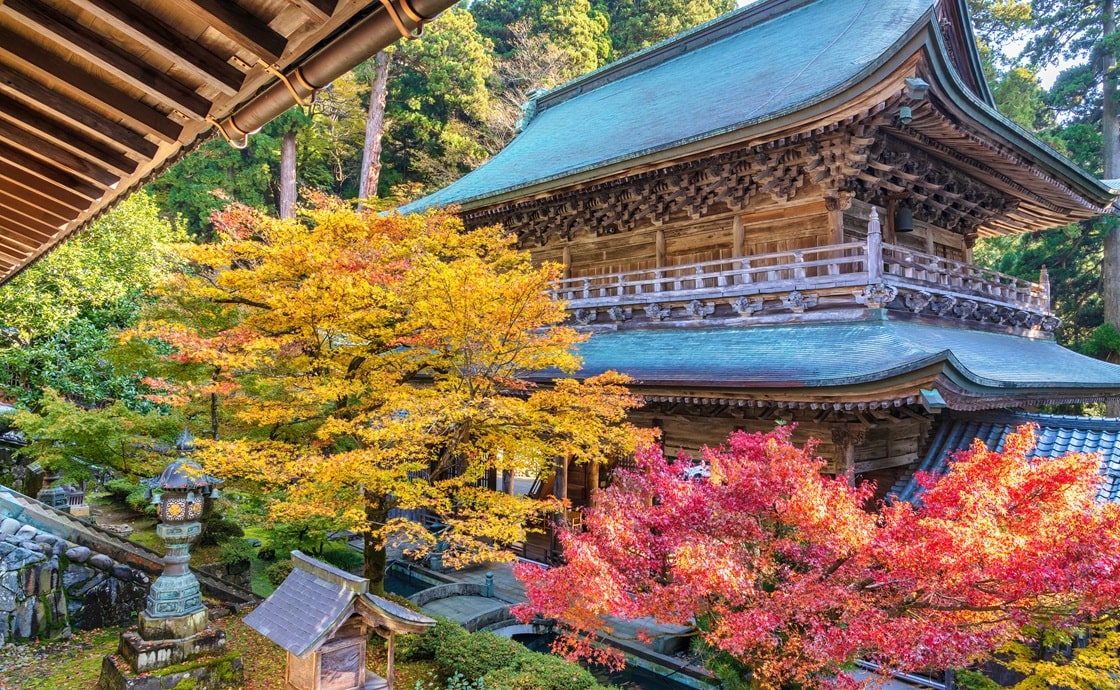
[847, 265]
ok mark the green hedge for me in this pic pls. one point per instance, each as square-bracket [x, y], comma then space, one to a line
[501, 663]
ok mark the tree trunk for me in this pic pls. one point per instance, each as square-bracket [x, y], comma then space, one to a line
[1110, 131]
[370, 172]
[373, 553]
[288, 175]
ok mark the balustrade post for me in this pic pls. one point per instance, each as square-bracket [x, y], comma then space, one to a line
[799, 267]
[874, 248]
[1044, 283]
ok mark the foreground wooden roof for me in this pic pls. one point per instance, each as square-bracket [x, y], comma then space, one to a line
[96, 96]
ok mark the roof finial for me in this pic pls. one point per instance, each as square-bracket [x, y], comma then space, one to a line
[185, 442]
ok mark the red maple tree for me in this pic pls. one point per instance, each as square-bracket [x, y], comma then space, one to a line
[783, 570]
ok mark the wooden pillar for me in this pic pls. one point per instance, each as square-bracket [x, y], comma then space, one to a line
[738, 237]
[931, 247]
[567, 259]
[846, 437]
[660, 248]
[592, 481]
[835, 221]
[874, 248]
[560, 482]
[969, 241]
[389, 667]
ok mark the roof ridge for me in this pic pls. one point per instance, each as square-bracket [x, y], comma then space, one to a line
[701, 35]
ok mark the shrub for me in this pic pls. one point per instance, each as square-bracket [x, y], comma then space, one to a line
[536, 671]
[472, 654]
[344, 559]
[278, 571]
[140, 502]
[119, 489]
[237, 555]
[219, 530]
[267, 553]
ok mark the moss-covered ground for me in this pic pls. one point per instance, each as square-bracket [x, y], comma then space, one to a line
[75, 664]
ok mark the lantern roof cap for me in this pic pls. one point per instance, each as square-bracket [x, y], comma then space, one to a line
[183, 474]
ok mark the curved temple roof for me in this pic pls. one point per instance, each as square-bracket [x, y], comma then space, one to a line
[732, 77]
[803, 360]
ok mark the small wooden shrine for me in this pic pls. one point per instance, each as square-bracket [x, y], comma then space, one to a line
[771, 217]
[322, 617]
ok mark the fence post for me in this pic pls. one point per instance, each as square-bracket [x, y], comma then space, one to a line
[874, 248]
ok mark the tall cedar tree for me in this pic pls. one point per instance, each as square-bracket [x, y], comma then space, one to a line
[787, 575]
[370, 363]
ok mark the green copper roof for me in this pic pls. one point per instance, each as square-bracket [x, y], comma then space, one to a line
[734, 74]
[825, 355]
[750, 66]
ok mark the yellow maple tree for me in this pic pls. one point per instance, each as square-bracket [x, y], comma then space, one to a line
[367, 363]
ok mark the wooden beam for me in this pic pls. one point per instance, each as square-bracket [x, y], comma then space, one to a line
[36, 188]
[9, 257]
[166, 41]
[15, 234]
[319, 11]
[55, 154]
[31, 56]
[21, 86]
[49, 172]
[28, 206]
[75, 140]
[36, 229]
[234, 21]
[106, 55]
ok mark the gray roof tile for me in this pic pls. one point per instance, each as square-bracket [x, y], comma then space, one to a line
[1057, 436]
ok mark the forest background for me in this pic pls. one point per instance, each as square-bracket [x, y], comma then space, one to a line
[423, 113]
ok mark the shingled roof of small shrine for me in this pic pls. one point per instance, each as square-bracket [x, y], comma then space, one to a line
[1057, 436]
[711, 85]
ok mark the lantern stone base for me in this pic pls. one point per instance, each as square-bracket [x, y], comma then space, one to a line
[145, 656]
[172, 627]
[224, 672]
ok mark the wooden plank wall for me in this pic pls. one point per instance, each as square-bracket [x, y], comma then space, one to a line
[885, 452]
[925, 238]
[768, 226]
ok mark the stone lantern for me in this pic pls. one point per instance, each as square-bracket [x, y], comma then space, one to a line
[175, 607]
[174, 626]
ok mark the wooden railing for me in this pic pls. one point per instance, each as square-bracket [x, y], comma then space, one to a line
[818, 267]
[852, 264]
[906, 266]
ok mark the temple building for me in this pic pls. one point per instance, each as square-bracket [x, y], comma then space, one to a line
[771, 217]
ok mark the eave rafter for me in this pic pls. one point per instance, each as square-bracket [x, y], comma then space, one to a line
[99, 96]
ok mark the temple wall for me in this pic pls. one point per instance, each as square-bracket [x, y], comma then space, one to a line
[884, 452]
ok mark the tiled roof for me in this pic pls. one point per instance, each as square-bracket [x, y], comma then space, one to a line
[306, 608]
[317, 598]
[1057, 436]
[814, 355]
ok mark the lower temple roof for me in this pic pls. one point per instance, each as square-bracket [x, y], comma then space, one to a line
[852, 358]
[1057, 436]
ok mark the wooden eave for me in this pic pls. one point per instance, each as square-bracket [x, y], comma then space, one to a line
[97, 96]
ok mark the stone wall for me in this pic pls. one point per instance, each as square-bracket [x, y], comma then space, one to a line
[48, 584]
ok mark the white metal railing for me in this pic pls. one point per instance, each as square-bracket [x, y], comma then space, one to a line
[850, 264]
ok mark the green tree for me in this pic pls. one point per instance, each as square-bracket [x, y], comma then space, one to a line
[635, 25]
[61, 314]
[438, 101]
